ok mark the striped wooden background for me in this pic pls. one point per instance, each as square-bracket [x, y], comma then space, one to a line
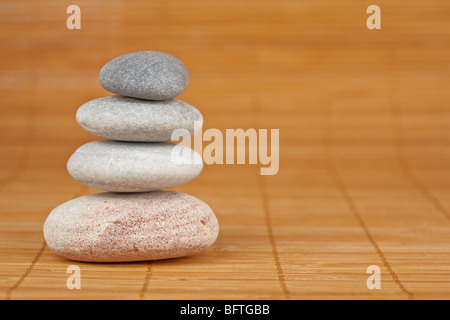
[363, 115]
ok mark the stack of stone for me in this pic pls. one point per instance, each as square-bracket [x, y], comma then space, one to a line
[135, 220]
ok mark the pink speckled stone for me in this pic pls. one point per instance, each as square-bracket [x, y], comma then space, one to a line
[114, 227]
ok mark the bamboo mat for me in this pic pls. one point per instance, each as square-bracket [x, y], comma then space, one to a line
[363, 115]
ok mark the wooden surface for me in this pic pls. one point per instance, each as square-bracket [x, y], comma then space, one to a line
[363, 115]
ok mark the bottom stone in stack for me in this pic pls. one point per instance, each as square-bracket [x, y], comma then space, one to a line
[116, 227]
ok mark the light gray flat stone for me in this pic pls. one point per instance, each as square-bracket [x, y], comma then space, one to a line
[112, 227]
[150, 75]
[133, 166]
[128, 119]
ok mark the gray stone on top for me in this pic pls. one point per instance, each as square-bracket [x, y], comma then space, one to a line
[133, 166]
[128, 119]
[149, 75]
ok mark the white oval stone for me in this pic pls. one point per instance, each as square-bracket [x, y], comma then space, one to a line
[111, 227]
[128, 119]
[133, 166]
